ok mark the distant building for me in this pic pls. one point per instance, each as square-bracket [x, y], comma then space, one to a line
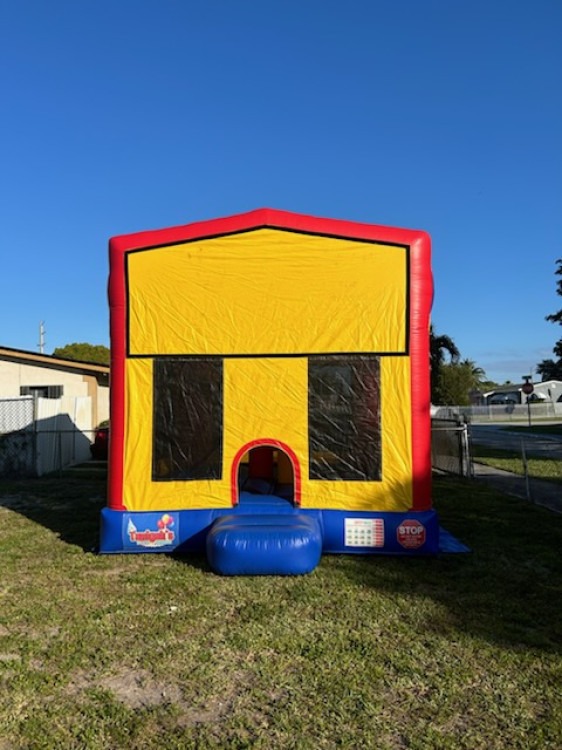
[512, 394]
[24, 373]
[49, 409]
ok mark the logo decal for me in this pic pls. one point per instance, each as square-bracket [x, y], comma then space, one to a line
[411, 534]
[161, 536]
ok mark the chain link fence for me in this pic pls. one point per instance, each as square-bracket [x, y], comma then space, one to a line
[39, 436]
[532, 413]
[450, 446]
[17, 440]
[525, 465]
[541, 463]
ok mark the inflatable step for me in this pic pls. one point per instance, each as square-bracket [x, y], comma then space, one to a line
[268, 544]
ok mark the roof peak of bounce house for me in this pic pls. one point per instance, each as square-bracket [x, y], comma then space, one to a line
[268, 218]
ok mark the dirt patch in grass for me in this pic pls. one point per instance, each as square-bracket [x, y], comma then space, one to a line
[137, 689]
[134, 688]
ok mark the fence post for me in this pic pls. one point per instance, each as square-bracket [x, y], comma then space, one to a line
[526, 470]
[460, 432]
[466, 452]
[35, 438]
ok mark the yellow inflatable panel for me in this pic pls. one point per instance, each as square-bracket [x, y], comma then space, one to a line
[268, 292]
[266, 399]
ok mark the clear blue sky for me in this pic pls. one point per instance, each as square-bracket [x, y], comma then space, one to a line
[444, 115]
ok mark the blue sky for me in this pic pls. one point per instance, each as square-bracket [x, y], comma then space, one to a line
[443, 115]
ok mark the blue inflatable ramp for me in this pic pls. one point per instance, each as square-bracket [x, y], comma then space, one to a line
[268, 544]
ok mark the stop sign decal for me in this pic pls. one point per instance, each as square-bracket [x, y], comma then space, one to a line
[411, 534]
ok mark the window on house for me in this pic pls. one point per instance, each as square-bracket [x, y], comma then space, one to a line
[188, 419]
[344, 418]
[42, 391]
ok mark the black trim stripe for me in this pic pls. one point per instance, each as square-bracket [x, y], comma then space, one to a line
[408, 298]
[291, 355]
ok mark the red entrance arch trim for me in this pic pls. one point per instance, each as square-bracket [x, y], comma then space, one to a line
[270, 443]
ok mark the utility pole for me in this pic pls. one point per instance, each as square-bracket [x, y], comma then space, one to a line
[527, 389]
[42, 337]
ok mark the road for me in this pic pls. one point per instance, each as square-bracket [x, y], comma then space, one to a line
[499, 436]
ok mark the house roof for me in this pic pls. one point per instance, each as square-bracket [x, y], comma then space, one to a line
[36, 359]
[511, 388]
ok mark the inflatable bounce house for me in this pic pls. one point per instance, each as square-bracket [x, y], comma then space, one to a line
[270, 392]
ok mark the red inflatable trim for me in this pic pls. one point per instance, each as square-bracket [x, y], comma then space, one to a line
[421, 296]
[269, 443]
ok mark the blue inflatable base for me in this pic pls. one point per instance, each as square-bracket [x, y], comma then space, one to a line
[450, 544]
[267, 544]
[410, 533]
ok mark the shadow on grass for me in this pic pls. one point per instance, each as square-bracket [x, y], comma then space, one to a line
[506, 590]
[68, 505]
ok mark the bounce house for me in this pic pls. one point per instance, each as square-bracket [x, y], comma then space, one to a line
[270, 392]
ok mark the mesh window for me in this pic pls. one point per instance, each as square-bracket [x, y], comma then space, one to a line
[188, 419]
[344, 418]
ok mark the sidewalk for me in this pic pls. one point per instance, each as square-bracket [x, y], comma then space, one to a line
[543, 493]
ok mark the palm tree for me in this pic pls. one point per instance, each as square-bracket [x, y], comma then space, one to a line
[439, 347]
[548, 369]
[477, 374]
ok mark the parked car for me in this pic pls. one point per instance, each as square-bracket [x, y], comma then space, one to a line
[502, 401]
[99, 447]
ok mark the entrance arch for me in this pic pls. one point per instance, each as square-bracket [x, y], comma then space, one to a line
[265, 443]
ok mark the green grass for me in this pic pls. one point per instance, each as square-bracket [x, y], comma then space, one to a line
[508, 460]
[151, 651]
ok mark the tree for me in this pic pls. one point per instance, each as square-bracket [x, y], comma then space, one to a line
[455, 384]
[477, 374]
[439, 348]
[550, 369]
[458, 379]
[96, 353]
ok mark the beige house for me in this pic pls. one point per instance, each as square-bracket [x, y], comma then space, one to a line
[49, 409]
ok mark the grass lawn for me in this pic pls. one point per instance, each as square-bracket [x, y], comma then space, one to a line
[150, 651]
[539, 467]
